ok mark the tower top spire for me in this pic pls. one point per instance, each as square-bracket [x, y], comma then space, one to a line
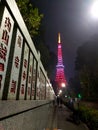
[59, 38]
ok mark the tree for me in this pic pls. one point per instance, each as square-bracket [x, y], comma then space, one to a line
[33, 20]
[74, 86]
[87, 65]
[30, 15]
[52, 65]
[48, 57]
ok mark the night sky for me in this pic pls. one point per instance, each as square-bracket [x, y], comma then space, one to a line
[73, 20]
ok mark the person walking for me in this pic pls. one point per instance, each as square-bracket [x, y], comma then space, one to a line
[58, 100]
[76, 111]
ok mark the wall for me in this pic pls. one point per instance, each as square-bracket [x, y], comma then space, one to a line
[24, 115]
[26, 93]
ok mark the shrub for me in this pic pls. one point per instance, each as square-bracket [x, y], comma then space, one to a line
[89, 116]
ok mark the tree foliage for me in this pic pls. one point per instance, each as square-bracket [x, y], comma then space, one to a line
[30, 15]
[33, 20]
[87, 65]
[74, 87]
[48, 58]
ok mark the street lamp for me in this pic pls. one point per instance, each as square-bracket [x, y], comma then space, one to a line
[63, 85]
[60, 91]
[94, 9]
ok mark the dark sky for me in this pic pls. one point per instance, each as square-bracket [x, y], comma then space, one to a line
[73, 20]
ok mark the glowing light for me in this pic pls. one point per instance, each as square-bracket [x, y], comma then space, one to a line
[59, 38]
[94, 9]
[65, 96]
[63, 85]
[59, 46]
[60, 65]
[60, 91]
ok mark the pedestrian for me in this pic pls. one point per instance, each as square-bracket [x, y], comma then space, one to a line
[76, 111]
[58, 100]
[55, 101]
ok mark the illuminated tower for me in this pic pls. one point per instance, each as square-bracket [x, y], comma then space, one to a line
[60, 77]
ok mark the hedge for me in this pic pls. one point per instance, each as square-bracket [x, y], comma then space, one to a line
[89, 116]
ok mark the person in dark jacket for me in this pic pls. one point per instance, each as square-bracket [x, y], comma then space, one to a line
[76, 111]
[58, 100]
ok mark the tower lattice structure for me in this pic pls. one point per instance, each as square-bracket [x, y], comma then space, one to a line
[60, 76]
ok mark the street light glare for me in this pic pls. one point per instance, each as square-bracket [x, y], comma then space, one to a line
[60, 91]
[94, 9]
[63, 84]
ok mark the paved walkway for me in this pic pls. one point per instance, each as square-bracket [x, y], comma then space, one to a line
[59, 120]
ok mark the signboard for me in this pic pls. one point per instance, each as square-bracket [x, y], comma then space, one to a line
[30, 76]
[24, 72]
[38, 84]
[34, 79]
[6, 30]
[42, 85]
[15, 66]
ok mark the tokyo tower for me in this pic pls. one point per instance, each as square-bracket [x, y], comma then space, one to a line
[60, 77]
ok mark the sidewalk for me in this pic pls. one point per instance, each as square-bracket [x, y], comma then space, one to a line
[58, 120]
